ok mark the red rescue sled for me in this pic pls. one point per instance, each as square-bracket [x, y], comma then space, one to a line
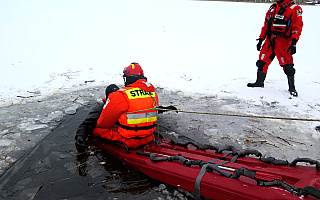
[218, 175]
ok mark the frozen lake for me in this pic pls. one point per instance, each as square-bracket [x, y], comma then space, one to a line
[24, 125]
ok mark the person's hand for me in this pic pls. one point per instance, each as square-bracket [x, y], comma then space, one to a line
[80, 144]
[171, 108]
[167, 108]
[292, 48]
[259, 44]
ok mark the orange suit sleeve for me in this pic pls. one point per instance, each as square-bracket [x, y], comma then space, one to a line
[115, 106]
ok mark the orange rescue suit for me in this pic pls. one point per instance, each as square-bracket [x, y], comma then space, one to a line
[127, 115]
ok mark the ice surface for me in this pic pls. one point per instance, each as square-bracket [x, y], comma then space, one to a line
[284, 139]
[72, 110]
[54, 116]
[5, 143]
[24, 125]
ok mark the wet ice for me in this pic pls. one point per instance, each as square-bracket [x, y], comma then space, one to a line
[24, 125]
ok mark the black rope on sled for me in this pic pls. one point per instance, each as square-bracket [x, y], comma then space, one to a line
[236, 154]
[307, 160]
[123, 144]
[307, 190]
[185, 145]
[209, 167]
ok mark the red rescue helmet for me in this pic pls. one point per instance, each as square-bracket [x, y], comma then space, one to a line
[134, 69]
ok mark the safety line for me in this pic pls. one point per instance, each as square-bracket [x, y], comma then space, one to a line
[238, 115]
[230, 115]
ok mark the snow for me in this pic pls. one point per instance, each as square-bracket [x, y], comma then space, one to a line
[57, 56]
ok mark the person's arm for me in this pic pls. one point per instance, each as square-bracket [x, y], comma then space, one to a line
[264, 28]
[296, 28]
[297, 23]
[86, 127]
[113, 109]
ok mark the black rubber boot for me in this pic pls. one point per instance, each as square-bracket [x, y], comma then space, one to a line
[292, 88]
[260, 80]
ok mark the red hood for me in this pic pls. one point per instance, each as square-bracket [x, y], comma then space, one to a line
[143, 84]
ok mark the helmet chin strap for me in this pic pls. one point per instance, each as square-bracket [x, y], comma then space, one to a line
[124, 80]
[131, 79]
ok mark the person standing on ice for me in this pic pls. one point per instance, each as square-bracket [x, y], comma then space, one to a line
[127, 115]
[280, 33]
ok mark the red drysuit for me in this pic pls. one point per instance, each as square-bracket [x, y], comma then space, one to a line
[283, 23]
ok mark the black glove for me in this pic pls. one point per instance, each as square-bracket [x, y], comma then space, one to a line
[80, 144]
[167, 109]
[259, 44]
[292, 48]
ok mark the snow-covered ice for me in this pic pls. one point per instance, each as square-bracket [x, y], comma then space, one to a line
[57, 56]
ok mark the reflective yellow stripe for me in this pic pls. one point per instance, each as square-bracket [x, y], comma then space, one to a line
[142, 120]
[137, 93]
[141, 115]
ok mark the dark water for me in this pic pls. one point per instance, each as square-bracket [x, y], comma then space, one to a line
[54, 170]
